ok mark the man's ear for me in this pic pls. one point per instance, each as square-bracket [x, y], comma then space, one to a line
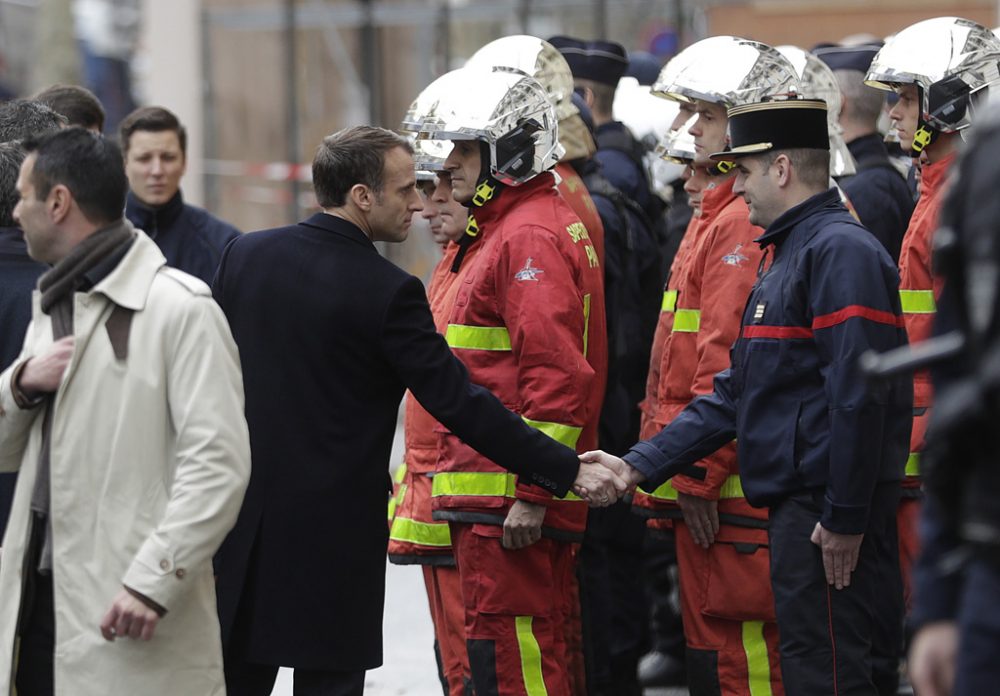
[588, 97]
[59, 202]
[362, 197]
[782, 170]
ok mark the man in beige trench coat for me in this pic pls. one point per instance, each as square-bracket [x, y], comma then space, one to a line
[124, 416]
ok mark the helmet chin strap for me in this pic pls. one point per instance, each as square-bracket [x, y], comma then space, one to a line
[925, 135]
[487, 187]
[721, 168]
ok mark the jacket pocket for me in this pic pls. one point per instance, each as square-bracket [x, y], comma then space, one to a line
[738, 584]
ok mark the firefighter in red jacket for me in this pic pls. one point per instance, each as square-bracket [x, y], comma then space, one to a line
[936, 67]
[541, 60]
[722, 554]
[528, 322]
[414, 537]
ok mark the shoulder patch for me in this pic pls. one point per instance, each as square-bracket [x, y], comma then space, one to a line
[734, 257]
[195, 286]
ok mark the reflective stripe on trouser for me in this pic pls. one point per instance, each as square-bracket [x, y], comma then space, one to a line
[738, 654]
[444, 592]
[515, 611]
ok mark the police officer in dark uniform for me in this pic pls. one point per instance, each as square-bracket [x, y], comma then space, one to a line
[597, 66]
[819, 446]
[957, 600]
[877, 191]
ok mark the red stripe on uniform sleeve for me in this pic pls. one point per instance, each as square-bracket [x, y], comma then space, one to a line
[777, 332]
[840, 316]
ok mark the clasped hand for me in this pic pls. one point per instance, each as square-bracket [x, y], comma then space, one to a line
[604, 478]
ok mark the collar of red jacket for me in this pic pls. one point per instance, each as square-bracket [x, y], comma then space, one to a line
[932, 176]
[509, 196]
[714, 199]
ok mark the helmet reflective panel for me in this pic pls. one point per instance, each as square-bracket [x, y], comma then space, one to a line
[677, 146]
[508, 111]
[948, 58]
[727, 70]
[536, 58]
[817, 81]
[429, 156]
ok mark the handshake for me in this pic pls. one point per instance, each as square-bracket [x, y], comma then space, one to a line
[604, 478]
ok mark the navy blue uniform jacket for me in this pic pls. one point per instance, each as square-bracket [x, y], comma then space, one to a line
[330, 336]
[879, 193]
[18, 277]
[190, 238]
[794, 398]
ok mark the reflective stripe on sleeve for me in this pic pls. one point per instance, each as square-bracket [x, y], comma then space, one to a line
[687, 320]
[477, 483]
[732, 488]
[478, 337]
[586, 322]
[531, 658]
[913, 464]
[396, 500]
[424, 533]
[917, 301]
[565, 434]
[669, 303]
[758, 665]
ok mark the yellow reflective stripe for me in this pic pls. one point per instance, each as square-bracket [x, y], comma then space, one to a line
[395, 501]
[687, 320]
[400, 473]
[913, 464]
[917, 301]
[531, 658]
[586, 322]
[669, 303]
[478, 337]
[758, 665]
[484, 483]
[566, 434]
[665, 492]
[424, 533]
[732, 488]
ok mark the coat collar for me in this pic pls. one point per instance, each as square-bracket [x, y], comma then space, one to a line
[150, 219]
[780, 228]
[127, 285]
[340, 226]
[509, 196]
[868, 147]
[932, 176]
[717, 196]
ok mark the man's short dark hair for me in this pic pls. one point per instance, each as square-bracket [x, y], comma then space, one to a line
[352, 156]
[811, 165]
[89, 165]
[24, 118]
[78, 104]
[11, 157]
[154, 119]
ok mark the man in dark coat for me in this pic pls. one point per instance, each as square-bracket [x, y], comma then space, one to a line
[19, 119]
[330, 336]
[155, 147]
[877, 191]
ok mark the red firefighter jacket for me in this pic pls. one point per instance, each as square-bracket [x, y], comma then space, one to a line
[919, 290]
[413, 533]
[575, 192]
[528, 322]
[703, 304]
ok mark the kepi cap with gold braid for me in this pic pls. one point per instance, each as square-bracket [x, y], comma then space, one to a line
[776, 125]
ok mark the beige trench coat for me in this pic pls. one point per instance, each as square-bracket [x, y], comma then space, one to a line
[150, 459]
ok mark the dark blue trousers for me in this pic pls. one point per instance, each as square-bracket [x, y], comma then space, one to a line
[827, 644]
[978, 666]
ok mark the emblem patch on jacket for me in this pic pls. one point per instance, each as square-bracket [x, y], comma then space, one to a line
[734, 257]
[529, 272]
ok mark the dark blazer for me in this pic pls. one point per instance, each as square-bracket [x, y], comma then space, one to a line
[330, 336]
[18, 277]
